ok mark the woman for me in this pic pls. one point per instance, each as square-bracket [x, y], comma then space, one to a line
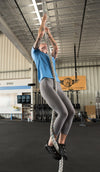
[56, 100]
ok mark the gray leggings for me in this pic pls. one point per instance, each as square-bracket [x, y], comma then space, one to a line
[61, 105]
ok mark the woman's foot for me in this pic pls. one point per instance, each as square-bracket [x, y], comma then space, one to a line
[62, 151]
[51, 150]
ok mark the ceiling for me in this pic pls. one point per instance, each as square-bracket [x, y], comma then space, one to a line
[64, 21]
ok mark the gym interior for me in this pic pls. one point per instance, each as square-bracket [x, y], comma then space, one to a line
[24, 115]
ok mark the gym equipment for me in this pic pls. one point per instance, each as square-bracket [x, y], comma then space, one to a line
[72, 97]
[77, 104]
[83, 117]
[98, 105]
[31, 84]
[41, 109]
[67, 93]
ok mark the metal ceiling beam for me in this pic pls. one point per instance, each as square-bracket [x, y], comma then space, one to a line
[11, 36]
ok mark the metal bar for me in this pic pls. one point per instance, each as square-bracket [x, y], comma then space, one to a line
[67, 67]
[24, 19]
[75, 62]
[81, 28]
[77, 97]
[25, 70]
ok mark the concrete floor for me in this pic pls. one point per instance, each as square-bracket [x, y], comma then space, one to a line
[22, 148]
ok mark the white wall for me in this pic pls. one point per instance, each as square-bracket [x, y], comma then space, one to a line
[10, 84]
[13, 64]
[15, 71]
[9, 89]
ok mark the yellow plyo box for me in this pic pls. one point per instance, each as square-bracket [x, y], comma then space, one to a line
[91, 110]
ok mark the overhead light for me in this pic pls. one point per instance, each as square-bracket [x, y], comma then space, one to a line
[39, 3]
[37, 11]
[36, 24]
[30, 5]
[35, 18]
[40, 11]
[33, 12]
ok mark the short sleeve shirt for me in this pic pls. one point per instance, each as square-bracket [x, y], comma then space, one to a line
[43, 66]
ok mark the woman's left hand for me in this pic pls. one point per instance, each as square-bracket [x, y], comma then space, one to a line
[47, 30]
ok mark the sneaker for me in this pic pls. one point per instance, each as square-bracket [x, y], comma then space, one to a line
[62, 151]
[51, 150]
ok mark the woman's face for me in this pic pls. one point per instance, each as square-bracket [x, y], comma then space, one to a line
[43, 47]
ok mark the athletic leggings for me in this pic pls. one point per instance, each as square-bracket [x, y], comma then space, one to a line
[60, 103]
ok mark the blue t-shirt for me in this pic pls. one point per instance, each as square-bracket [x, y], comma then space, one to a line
[43, 64]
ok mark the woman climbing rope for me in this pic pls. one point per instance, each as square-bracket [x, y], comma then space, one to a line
[56, 100]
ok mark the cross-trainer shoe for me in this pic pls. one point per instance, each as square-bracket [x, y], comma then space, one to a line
[51, 150]
[62, 151]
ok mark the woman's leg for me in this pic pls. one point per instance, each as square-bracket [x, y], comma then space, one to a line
[55, 102]
[68, 122]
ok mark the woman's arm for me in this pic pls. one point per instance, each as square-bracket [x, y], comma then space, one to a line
[40, 32]
[53, 42]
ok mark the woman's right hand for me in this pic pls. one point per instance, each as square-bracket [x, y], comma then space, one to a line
[44, 18]
[42, 27]
[41, 34]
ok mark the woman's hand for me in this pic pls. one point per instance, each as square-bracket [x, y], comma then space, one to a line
[44, 18]
[47, 30]
[40, 32]
[42, 27]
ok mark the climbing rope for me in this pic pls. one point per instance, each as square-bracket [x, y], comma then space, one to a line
[60, 169]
